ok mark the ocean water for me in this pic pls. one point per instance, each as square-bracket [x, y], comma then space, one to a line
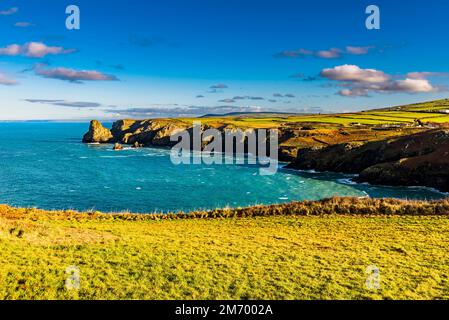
[45, 165]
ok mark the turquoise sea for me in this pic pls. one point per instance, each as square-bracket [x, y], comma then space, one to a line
[45, 165]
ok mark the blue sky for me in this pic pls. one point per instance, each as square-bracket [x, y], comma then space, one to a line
[175, 57]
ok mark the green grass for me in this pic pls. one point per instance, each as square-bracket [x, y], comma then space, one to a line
[427, 111]
[283, 256]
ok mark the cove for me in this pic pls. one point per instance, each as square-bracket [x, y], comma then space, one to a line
[44, 165]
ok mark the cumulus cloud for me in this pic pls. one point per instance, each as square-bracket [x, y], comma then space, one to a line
[332, 53]
[358, 82]
[4, 80]
[354, 73]
[410, 86]
[65, 103]
[9, 12]
[72, 75]
[33, 50]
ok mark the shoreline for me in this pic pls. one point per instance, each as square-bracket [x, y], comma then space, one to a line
[335, 206]
[285, 166]
[407, 155]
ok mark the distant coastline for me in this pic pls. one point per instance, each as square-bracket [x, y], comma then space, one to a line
[400, 146]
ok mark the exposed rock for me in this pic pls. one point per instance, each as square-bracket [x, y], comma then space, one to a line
[430, 170]
[118, 146]
[410, 159]
[419, 159]
[97, 133]
[163, 134]
[357, 156]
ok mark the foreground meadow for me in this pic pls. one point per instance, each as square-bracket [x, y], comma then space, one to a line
[243, 255]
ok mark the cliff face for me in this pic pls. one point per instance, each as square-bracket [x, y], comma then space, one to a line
[415, 160]
[157, 132]
[142, 132]
[97, 133]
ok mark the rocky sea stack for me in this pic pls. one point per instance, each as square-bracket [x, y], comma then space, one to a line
[97, 133]
[137, 133]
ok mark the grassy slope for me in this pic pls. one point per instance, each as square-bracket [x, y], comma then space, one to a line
[285, 256]
[432, 111]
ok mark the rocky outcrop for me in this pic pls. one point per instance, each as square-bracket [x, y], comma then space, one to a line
[431, 170]
[117, 146]
[138, 133]
[416, 160]
[97, 133]
[411, 159]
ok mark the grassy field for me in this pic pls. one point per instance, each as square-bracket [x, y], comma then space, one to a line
[301, 251]
[433, 111]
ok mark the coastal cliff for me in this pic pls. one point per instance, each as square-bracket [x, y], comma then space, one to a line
[141, 132]
[415, 160]
[409, 157]
[157, 133]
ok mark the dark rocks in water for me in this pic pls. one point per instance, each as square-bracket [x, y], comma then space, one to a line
[118, 146]
[97, 133]
[137, 145]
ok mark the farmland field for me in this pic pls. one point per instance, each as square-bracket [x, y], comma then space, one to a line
[266, 257]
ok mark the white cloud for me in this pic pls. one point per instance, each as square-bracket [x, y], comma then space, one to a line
[358, 82]
[354, 73]
[411, 86]
[33, 50]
